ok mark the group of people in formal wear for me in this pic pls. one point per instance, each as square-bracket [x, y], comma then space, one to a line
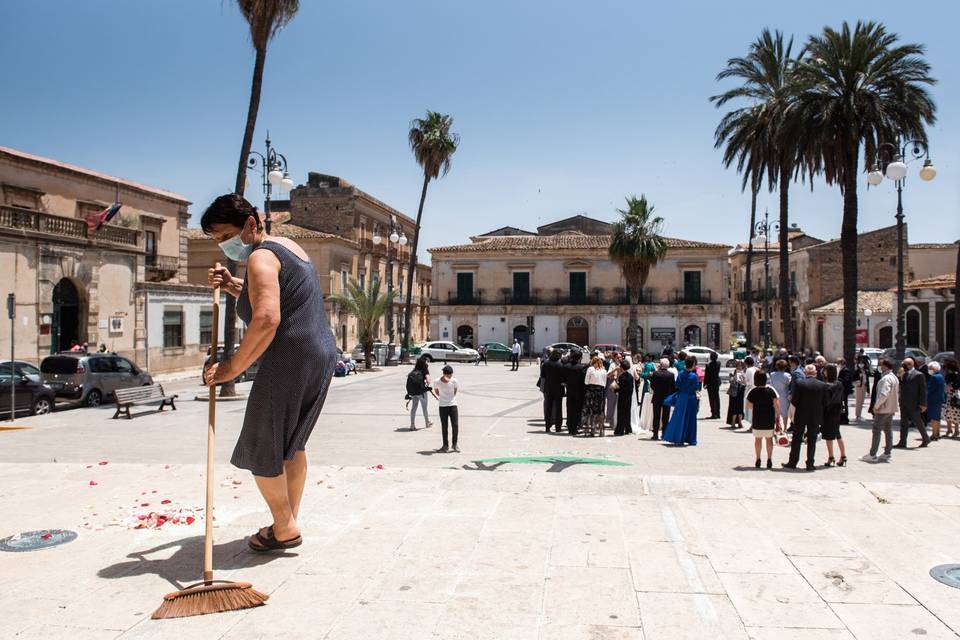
[630, 394]
[809, 399]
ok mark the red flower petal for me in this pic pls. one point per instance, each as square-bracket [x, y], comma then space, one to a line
[103, 463]
[93, 483]
[164, 502]
[47, 536]
[191, 519]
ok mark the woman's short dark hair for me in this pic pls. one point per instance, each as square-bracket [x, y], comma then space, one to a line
[748, 361]
[555, 355]
[759, 379]
[830, 370]
[691, 362]
[229, 209]
[781, 365]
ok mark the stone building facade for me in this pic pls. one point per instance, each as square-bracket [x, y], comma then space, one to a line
[73, 285]
[930, 313]
[559, 285]
[335, 223]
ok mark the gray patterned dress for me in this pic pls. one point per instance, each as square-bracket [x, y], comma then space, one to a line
[295, 370]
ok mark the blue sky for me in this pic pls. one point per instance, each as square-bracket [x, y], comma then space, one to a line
[563, 107]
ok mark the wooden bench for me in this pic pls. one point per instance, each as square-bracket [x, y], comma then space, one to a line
[149, 394]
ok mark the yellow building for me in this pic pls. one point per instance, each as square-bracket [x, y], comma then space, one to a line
[559, 285]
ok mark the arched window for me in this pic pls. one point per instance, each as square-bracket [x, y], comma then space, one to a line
[885, 337]
[913, 327]
[465, 335]
[949, 328]
[691, 335]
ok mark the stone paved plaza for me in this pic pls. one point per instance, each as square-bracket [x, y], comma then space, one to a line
[675, 543]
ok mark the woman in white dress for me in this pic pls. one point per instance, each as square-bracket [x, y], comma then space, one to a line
[635, 426]
[646, 397]
[747, 387]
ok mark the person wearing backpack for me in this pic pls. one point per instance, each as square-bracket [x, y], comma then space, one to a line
[418, 391]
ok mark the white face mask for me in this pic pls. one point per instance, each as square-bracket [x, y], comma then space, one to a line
[236, 249]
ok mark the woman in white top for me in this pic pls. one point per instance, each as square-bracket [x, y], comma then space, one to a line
[594, 395]
[748, 385]
[445, 389]
[634, 406]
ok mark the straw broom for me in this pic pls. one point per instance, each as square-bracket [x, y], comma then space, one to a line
[210, 596]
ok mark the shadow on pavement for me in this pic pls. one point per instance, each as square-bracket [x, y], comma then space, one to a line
[185, 566]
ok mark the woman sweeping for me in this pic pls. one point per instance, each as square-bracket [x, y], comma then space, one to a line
[282, 304]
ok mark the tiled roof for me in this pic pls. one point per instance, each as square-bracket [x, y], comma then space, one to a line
[93, 174]
[565, 241]
[876, 301]
[281, 230]
[945, 281]
[933, 245]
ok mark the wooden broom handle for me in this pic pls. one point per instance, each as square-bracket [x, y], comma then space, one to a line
[211, 433]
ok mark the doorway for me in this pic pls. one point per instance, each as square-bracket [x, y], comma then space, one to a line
[521, 333]
[885, 337]
[65, 331]
[691, 334]
[578, 331]
[465, 336]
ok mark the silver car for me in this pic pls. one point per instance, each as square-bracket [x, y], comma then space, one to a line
[90, 378]
[447, 351]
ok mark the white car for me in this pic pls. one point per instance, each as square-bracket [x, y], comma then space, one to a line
[874, 354]
[702, 354]
[444, 351]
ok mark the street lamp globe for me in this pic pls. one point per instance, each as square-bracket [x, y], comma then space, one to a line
[286, 184]
[403, 240]
[868, 312]
[275, 177]
[394, 238]
[875, 177]
[760, 239]
[897, 170]
[928, 172]
[376, 238]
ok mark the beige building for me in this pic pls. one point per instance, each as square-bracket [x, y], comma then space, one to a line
[875, 328]
[335, 223]
[559, 285]
[76, 286]
[930, 312]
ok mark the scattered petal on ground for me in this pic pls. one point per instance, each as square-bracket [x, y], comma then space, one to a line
[103, 463]
[93, 483]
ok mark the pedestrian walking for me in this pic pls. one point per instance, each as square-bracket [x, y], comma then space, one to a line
[481, 356]
[553, 374]
[418, 391]
[711, 380]
[832, 415]
[936, 393]
[749, 372]
[951, 409]
[808, 396]
[626, 397]
[780, 379]
[682, 428]
[886, 391]
[736, 393]
[515, 355]
[574, 375]
[765, 403]
[281, 302]
[595, 382]
[861, 385]
[445, 390]
[913, 401]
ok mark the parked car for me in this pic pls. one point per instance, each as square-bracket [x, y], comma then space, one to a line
[497, 351]
[874, 354]
[943, 356]
[30, 395]
[603, 346]
[445, 351]
[564, 347]
[919, 356]
[357, 354]
[246, 376]
[702, 354]
[25, 368]
[90, 378]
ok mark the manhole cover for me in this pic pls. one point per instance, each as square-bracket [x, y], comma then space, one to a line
[33, 540]
[948, 574]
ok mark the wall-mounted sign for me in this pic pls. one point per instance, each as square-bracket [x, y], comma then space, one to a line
[116, 324]
[663, 334]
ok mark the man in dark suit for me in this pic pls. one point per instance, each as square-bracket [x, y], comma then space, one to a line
[553, 379]
[711, 380]
[913, 402]
[574, 374]
[809, 397]
[662, 383]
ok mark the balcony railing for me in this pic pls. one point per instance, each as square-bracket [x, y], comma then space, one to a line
[693, 297]
[161, 268]
[63, 227]
[609, 297]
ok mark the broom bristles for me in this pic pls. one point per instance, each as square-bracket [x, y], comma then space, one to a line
[204, 598]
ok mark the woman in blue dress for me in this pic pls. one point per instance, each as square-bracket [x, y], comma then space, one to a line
[936, 393]
[682, 428]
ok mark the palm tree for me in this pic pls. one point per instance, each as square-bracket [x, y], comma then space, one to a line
[761, 138]
[265, 19]
[636, 245]
[368, 306]
[857, 87]
[433, 145]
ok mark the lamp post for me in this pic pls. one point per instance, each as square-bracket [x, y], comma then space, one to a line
[395, 237]
[868, 312]
[896, 169]
[762, 231]
[272, 168]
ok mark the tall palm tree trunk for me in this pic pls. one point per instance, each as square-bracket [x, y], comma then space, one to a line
[230, 312]
[405, 347]
[632, 328]
[956, 305]
[747, 279]
[848, 248]
[786, 317]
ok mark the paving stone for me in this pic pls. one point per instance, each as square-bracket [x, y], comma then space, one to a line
[892, 622]
[761, 598]
[680, 616]
[590, 596]
[851, 580]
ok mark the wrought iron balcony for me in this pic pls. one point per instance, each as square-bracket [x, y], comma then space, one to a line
[40, 224]
[160, 268]
[693, 297]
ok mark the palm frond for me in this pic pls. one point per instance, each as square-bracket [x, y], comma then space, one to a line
[266, 18]
[432, 143]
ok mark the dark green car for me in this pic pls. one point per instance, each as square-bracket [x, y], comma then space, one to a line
[497, 351]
